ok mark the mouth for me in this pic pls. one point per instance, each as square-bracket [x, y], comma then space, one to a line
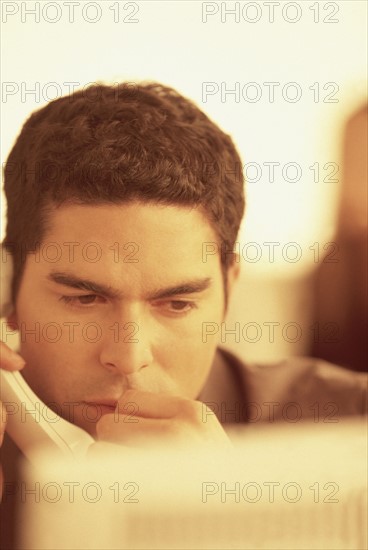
[104, 406]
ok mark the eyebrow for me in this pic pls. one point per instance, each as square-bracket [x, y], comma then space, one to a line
[188, 287]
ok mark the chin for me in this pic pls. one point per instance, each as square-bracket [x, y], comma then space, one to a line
[89, 427]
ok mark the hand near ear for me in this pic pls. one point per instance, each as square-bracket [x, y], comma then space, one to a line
[9, 360]
[6, 277]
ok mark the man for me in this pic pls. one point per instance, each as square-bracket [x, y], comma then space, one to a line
[114, 196]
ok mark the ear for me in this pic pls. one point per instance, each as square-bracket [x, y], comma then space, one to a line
[11, 321]
[233, 274]
[6, 277]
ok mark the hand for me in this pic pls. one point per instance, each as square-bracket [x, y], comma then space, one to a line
[9, 360]
[144, 418]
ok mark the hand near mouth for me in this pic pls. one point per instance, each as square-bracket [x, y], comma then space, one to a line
[145, 418]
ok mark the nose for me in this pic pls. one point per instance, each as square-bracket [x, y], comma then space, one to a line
[126, 348]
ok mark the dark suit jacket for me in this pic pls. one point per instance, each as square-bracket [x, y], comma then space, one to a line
[296, 389]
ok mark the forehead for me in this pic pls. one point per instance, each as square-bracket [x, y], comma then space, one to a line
[134, 235]
[117, 221]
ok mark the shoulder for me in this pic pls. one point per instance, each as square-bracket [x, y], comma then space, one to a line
[307, 382]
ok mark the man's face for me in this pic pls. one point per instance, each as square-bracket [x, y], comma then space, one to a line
[140, 325]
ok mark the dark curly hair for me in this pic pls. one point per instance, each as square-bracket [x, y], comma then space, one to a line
[113, 144]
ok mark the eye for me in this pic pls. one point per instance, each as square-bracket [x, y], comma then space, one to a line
[83, 300]
[178, 307]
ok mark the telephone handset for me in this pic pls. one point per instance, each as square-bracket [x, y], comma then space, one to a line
[30, 423]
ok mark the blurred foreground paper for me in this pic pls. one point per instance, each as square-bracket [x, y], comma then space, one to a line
[294, 487]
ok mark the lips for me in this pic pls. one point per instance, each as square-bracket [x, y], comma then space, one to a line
[105, 406]
[106, 402]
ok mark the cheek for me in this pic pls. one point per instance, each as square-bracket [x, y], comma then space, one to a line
[189, 361]
[49, 354]
[187, 354]
[46, 370]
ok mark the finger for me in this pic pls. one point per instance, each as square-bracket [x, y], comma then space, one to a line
[151, 405]
[121, 428]
[2, 422]
[1, 483]
[98, 449]
[9, 359]
[159, 433]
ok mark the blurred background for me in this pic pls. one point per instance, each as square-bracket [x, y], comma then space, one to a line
[289, 85]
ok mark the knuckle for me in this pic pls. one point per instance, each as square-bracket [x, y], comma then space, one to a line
[128, 396]
[191, 410]
[3, 415]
